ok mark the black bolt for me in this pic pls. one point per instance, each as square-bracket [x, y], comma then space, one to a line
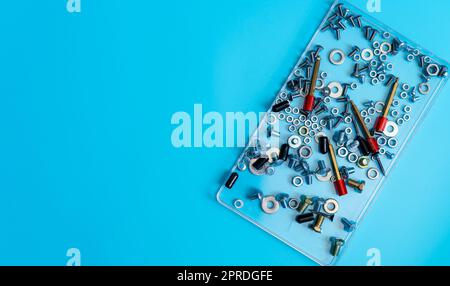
[363, 69]
[338, 122]
[390, 80]
[304, 218]
[319, 48]
[332, 17]
[284, 152]
[231, 180]
[323, 145]
[281, 106]
[318, 103]
[345, 87]
[340, 9]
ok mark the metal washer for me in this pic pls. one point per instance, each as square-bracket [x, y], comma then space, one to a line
[340, 54]
[335, 85]
[331, 206]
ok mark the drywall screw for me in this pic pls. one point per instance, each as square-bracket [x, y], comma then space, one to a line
[319, 48]
[340, 9]
[355, 50]
[318, 103]
[338, 122]
[359, 186]
[351, 20]
[345, 12]
[364, 69]
[338, 34]
[337, 244]
[327, 27]
[358, 21]
[367, 31]
[373, 35]
[321, 110]
[341, 24]
[390, 80]
[369, 104]
[304, 205]
[332, 17]
[349, 226]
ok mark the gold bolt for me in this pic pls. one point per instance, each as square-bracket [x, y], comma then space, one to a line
[317, 226]
[359, 186]
[304, 205]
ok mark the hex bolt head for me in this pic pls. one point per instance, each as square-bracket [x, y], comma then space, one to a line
[305, 205]
[336, 246]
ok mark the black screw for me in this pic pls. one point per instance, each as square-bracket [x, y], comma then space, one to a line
[354, 51]
[373, 35]
[358, 21]
[338, 34]
[327, 27]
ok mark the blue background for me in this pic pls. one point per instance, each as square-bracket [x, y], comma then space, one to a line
[86, 159]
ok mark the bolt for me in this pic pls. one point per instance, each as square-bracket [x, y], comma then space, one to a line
[282, 199]
[293, 161]
[365, 68]
[309, 179]
[329, 122]
[359, 186]
[322, 168]
[345, 12]
[257, 195]
[353, 146]
[317, 226]
[308, 72]
[362, 79]
[318, 204]
[337, 244]
[415, 99]
[369, 104]
[390, 155]
[304, 205]
[349, 226]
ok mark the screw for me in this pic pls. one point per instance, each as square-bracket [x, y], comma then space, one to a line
[304, 205]
[390, 80]
[318, 103]
[351, 20]
[332, 17]
[369, 104]
[345, 12]
[359, 186]
[364, 69]
[337, 244]
[362, 78]
[349, 226]
[322, 169]
[353, 146]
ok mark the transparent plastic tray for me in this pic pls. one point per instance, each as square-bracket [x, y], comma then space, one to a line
[353, 206]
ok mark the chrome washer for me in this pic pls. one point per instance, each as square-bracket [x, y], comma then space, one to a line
[340, 54]
[335, 85]
[270, 205]
[331, 206]
[394, 131]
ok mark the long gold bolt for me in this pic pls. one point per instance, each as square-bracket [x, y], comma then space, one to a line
[360, 120]
[390, 99]
[315, 76]
[334, 164]
[317, 227]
